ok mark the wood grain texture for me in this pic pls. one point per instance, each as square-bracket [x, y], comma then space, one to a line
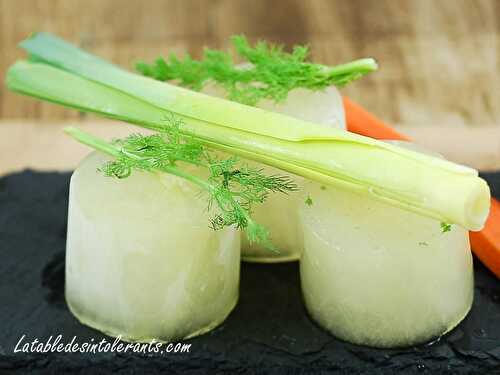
[439, 59]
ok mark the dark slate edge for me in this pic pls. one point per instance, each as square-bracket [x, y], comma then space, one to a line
[260, 336]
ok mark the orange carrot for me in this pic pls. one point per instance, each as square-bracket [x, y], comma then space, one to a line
[485, 243]
[360, 121]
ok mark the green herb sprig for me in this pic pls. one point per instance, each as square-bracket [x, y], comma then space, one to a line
[232, 187]
[271, 73]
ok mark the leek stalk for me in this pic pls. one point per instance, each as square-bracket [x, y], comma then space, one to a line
[64, 74]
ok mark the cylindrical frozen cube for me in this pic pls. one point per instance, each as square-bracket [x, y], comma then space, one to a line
[376, 275]
[141, 260]
[279, 212]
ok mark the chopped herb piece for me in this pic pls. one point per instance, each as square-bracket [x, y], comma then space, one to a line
[309, 201]
[445, 227]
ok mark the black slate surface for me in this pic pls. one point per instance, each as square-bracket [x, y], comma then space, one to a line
[269, 332]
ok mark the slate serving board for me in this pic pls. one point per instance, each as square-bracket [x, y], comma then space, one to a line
[269, 332]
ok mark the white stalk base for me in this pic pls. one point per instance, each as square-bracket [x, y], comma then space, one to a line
[141, 260]
[376, 275]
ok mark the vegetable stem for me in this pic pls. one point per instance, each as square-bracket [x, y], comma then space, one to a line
[90, 140]
[412, 181]
[362, 66]
[112, 150]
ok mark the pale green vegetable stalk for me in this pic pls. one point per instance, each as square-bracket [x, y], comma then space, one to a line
[64, 74]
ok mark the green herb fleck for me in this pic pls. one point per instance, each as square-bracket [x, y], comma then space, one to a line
[445, 227]
[309, 201]
[271, 73]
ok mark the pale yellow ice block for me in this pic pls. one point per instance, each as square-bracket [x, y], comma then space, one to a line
[141, 260]
[279, 212]
[376, 275]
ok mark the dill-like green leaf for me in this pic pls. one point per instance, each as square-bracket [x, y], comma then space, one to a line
[445, 227]
[271, 73]
[232, 187]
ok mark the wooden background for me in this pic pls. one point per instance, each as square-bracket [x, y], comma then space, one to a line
[439, 62]
[439, 59]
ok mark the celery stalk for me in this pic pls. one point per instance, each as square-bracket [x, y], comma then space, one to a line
[420, 183]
